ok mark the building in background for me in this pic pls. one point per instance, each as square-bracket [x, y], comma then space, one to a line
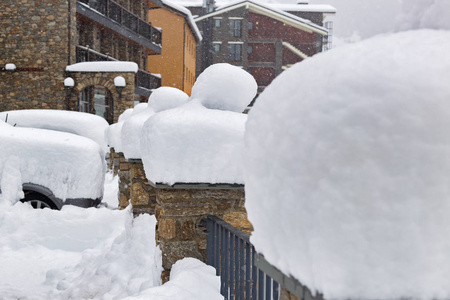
[42, 38]
[177, 61]
[264, 39]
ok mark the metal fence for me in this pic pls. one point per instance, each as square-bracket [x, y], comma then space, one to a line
[231, 253]
[123, 16]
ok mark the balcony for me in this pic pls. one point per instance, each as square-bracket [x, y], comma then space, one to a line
[116, 18]
[144, 81]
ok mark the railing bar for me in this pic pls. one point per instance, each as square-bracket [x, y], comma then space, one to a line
[268, 287]
[248, 280]
[260, 285]
[254, 274]
[210, 251]
[226, 265]
[231, 263]
[276, 290]
[222, 263]
[240, 282]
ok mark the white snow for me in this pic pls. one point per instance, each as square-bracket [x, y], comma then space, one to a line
[69, 82]
[347, 159]
[103, 66]
[80, 123]
[94, 253]
[119, 81]
[201, 141]
[161, 99]
[71, 166]
[10, 67]
[183, 10]
[224, 87]
[113, 132]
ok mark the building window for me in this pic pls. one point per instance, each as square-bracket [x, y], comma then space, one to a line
[250, 25]
[217, 22]
[216, 47]
[250, 49]
[235, 52]
[235, 27]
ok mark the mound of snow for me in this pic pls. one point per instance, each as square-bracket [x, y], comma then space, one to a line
[80, 123]
[113, 131]
[347, 173]
[431, 14]
[225, 87]
[71, 166]
[161, 99]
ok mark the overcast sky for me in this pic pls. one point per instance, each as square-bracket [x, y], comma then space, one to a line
[365, 18]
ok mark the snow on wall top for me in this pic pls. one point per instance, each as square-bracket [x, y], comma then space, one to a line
[161, 99]
[103, 66]
[347, 183]
[71, 166]
[202, 140]
[84, 124]
[188, 14]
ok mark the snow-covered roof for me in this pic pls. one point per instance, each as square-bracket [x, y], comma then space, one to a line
[104, 66]
[80, 123]
[322, 8]
[188, 16]
[270, 11]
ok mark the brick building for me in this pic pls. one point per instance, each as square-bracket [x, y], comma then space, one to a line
[41, 38]
[264, 39]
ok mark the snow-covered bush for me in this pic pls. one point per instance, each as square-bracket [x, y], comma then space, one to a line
[347, 169]
[80, 123]
[201, 141]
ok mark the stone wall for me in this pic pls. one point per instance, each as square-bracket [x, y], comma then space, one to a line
[134, 187]
[38, 37]
[181, 230]
[106, 79]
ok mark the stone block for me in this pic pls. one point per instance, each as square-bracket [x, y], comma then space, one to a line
[174, 251]
[187, 230]
[138, 194]
[239, 220]
[167, 228]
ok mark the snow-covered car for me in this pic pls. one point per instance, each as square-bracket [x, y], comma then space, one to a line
[80, 123]
[52, 168]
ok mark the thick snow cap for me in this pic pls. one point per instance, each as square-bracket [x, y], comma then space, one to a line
[347, 169]
[196, 144]
[161, 99]
[225, 87]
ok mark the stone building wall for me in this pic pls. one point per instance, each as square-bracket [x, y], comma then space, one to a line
[35, 37]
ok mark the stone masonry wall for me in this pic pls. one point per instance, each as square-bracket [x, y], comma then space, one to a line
[181, 231]
[35, 34]
[106, 79]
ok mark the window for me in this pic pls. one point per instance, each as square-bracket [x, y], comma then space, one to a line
[235, 52]
[235, 27]
[216, 47]
[217, 22]
[250, 49]
[250, 25]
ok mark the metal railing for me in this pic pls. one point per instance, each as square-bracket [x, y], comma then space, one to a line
[123, 16]
[231, 253]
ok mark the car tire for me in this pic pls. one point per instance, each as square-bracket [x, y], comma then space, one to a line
[38, 201]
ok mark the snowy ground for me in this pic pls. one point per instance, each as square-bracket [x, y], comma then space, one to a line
[95, 253]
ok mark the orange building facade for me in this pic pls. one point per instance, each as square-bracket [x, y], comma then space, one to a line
[176, 64]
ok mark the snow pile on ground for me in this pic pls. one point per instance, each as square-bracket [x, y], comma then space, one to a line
[347, 177]
[84, 124]
[94, 253]
[201, 141]
[161, 99]
[71, 166]
[189, 279]
[432, 14]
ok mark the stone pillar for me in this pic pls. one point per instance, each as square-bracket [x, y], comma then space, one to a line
[180, 212]
[142, 194]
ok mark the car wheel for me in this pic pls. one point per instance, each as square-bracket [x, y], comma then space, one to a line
[38, 201]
